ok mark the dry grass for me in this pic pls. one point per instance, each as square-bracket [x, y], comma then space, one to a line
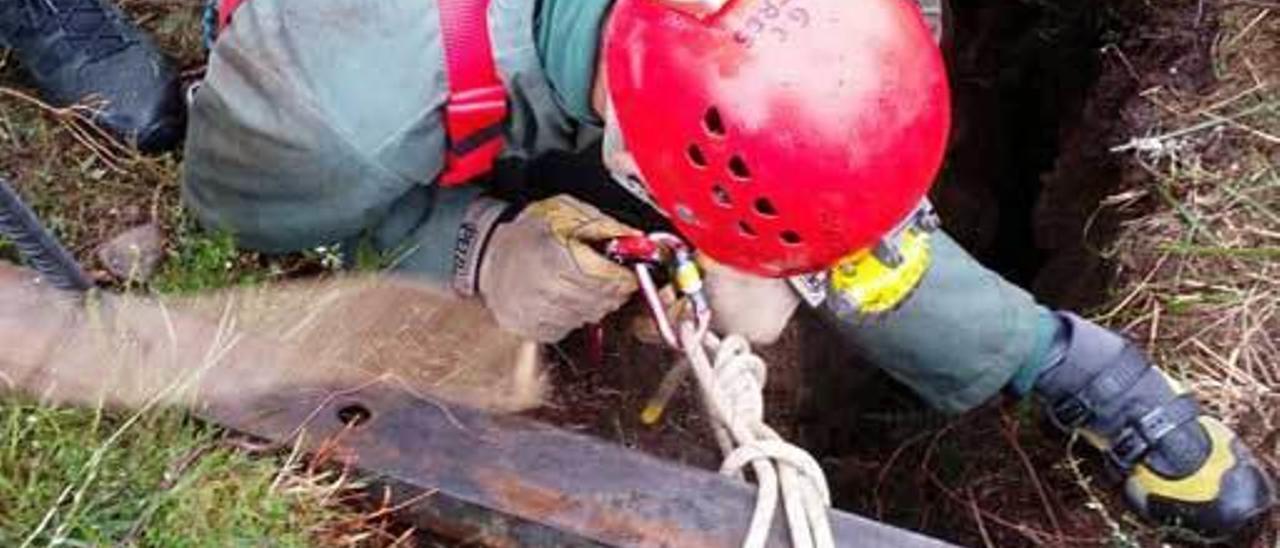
[1199, 280]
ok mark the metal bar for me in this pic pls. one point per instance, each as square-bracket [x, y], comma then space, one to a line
[38, 248]
[509, 481]
[483, 478]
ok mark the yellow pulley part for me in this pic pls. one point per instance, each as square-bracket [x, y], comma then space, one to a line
[871, 286]
[688, 278]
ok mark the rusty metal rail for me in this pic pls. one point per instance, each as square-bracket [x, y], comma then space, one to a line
[509, 481]
[482, 478]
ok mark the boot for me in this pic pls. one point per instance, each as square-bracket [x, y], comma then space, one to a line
[1180, 468]
[86, 51]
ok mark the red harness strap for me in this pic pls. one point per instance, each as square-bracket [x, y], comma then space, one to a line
[477, 107]
[225, 9]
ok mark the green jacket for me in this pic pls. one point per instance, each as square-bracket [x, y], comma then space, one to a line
[319, 121]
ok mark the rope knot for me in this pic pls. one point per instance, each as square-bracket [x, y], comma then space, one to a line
[733, 391]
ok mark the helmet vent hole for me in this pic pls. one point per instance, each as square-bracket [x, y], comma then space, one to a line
[738, 167]
[721, 195]
[713, 123]
[765, 208]
[696, 157]
[746, 229]
[789, 237]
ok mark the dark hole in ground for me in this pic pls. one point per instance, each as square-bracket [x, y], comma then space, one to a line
[1028, 159]
[354, 415]
[1019, 73]
[1037, 102]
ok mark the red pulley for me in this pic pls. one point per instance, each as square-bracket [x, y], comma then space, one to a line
[779, 135]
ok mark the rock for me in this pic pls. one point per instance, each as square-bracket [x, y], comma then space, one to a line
[133, 255]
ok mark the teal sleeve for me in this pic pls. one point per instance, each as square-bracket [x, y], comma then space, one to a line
[567, 33]
[959, 339]
[420, 234]
[302, 135]
[313, 127]
[1047, 326]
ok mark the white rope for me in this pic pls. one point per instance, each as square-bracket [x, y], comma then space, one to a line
[733, 391]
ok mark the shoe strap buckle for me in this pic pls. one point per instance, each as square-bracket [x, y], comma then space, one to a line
[1070, 412]
[1145, 432]
[1129, 447]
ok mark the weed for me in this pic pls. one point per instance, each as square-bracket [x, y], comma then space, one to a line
[203, 261]
[330, 257]
[369, 259]
[7, 251]
[85, 477]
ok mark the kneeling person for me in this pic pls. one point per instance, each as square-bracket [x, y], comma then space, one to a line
[781, 140]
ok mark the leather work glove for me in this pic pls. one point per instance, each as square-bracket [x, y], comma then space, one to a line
[754, 307]
[538, 273]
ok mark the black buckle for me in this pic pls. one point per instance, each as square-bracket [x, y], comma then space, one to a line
[1070, 412]
[1145, 432]
[1128, 448]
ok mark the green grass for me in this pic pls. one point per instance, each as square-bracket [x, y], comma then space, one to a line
[7, 251]
[202, 261]
[84, 477]
[160, 478]
[87, 477]
[80, 477]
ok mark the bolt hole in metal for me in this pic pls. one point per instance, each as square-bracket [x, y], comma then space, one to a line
[721, 195]
[696, 157]
[354, 415]
[713, 123]
[738, 167]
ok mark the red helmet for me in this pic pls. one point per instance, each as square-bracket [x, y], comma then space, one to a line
[779, 135]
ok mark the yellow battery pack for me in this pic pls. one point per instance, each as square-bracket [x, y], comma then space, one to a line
[873, 287]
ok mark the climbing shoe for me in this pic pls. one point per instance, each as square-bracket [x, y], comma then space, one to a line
[1179, 467]
[87, 52]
